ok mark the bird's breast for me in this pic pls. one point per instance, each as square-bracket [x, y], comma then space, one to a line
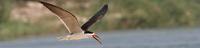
[73, 37]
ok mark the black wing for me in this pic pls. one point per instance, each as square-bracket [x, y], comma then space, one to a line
[96, 17]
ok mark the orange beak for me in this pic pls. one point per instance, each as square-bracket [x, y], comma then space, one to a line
[97, 38]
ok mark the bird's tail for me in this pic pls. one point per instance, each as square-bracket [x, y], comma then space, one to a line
[62, 38]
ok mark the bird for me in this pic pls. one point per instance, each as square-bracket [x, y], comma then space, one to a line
[76, 32]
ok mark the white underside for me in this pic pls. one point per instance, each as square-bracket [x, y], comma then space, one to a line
[73, 37]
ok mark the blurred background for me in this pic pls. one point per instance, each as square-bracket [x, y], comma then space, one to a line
[127, 24]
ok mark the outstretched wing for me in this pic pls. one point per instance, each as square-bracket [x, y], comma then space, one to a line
[96, 17]
[67, 18]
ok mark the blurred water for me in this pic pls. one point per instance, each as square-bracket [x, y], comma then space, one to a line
[149, 38]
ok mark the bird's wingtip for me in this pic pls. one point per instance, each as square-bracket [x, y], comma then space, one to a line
[42, 2]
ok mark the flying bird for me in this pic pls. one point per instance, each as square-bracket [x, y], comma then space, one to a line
[71, 23]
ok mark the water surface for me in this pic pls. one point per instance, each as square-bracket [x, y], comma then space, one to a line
[148, 38]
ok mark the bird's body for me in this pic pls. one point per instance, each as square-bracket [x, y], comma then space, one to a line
[76, 31]
[76, 36]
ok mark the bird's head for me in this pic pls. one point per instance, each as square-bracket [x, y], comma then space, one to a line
[93, 35]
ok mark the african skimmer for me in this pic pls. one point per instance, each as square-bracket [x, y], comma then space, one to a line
[72, 25]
